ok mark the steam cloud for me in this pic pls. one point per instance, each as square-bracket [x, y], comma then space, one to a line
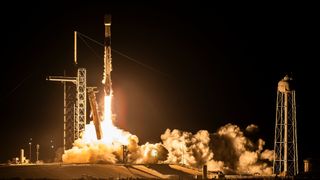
[239, 153]
[100, 151]
[227, 150]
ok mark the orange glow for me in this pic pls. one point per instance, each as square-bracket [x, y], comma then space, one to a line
[154, 153]
[111, 134]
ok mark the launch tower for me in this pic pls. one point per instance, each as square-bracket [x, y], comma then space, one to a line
[285, 140]
[75, 106]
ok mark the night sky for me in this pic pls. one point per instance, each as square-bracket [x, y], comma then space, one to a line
[203, 66]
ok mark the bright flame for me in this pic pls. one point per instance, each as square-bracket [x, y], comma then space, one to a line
[227, 150]
[108, 149]
[111, 134]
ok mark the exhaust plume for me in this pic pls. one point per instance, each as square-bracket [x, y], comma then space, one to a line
[227, 150]
[103, 151]
[240, 154]
[186, 148]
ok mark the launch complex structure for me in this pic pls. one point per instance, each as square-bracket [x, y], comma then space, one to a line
[76, 91]
[285, 161]
[285, 141]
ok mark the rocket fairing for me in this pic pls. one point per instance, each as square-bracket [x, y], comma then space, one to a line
[107, 57]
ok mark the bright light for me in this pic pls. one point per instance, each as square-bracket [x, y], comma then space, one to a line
[154, 153]
[111, 134]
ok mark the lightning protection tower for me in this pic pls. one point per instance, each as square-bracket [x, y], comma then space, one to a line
[285, 141]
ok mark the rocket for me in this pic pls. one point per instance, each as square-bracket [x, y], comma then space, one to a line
[107, 57]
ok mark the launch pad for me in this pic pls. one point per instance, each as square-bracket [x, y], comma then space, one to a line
[111, 145]
[100, 171]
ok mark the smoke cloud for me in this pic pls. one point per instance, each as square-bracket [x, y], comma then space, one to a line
[186, 148]
[252, 128]
[227, 150]
[91, 150]
[240, 154]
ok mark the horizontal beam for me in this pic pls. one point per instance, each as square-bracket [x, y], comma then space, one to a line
[62, 79]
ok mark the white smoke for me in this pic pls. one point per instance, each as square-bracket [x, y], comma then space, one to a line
[91, 150]
[239, 153]
[226, 150]
[267, 155]
[252, 128]
[94, 152]
[185, 148]
[149, 154]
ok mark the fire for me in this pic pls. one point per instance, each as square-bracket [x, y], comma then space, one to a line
[227, 150]
[112, 134]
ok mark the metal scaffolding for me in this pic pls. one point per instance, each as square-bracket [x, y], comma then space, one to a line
[81, 106]
[285, 140]
[69, 114]
[75, 106]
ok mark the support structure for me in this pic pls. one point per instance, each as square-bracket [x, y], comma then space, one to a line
[37, 158]
[81, 118]
[285, 141]
[125, 152]
[75, 47]
[70, 100]
[75, 106]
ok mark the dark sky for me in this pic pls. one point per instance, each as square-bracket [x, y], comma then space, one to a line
[211, 65]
